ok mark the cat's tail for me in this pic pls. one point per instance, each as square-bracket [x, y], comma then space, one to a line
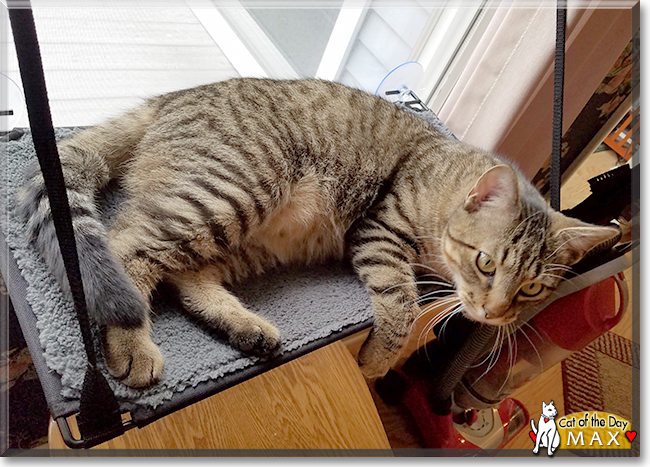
[532, 426]
[89, 160]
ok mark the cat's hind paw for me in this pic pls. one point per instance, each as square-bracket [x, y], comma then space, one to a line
[132, 357]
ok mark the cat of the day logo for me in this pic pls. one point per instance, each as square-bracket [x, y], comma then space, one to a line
[545, 434]
[583, 430]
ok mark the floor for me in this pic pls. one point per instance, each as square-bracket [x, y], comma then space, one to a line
[294, 406]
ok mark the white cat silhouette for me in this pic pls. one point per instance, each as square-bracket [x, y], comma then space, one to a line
[546, 435]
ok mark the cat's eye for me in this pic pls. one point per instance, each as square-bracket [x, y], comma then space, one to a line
[532, 289]
[485, 264]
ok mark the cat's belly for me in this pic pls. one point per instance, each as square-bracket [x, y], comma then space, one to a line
[305, 230]
[293, 243]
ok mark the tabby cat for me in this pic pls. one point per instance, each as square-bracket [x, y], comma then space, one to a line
[235, 178]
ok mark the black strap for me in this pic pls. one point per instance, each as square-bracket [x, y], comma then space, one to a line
[558, 99]
[96, 395]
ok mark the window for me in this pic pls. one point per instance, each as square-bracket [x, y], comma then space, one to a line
[102, 58]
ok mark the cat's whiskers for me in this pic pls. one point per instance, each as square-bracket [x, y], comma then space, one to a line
[442, 302]
[558, 265]
[434, 258]
[563, 267]
[571, 238]
[492, 350]
[429, 295]
[500, 339]
[442, 284]
[548, 274]
[554, 267]
[539, 357]
[431, 305]
[441, 264]
[495, 346]
[436, 276]
[503, 334]
[561, 271]
[428, 327]
[429, 268]
[512, 355]
[561, 278]
[528, 218]
[387, 289]
[534, 330]
[453, 307]
[447, 314]
[453, 312]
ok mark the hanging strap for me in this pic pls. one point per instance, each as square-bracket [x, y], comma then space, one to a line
[99, 414]
[558, 99]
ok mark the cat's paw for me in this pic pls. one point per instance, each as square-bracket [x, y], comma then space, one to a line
[254, 335]
[374, 362]
[132, 357]
[372, 371]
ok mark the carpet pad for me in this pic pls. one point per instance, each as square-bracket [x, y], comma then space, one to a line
[599, 378]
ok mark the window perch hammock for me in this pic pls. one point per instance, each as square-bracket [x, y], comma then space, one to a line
[331, 292]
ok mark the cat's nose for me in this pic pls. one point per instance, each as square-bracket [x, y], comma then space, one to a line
[494, 311]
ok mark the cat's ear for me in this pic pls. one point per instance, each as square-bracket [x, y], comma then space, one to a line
[498, 187]
[574, 238]
[543, 405]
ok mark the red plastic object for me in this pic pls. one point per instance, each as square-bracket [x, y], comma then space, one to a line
[439, 431]
[574, 321]
[570, 323]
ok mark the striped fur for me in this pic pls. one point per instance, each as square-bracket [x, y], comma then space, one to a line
[238, 177]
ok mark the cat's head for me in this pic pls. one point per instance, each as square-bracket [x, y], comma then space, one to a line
[549, 410]
[508, 250]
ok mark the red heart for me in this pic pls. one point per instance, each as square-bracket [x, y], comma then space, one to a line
[534, 436]
[630, 435]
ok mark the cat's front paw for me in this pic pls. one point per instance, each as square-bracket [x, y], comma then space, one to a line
[255, 335]
[374, 360]
[373, 371]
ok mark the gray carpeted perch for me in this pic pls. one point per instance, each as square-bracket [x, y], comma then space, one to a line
[305, 304]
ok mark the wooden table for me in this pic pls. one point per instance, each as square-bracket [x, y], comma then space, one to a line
[318, 401]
